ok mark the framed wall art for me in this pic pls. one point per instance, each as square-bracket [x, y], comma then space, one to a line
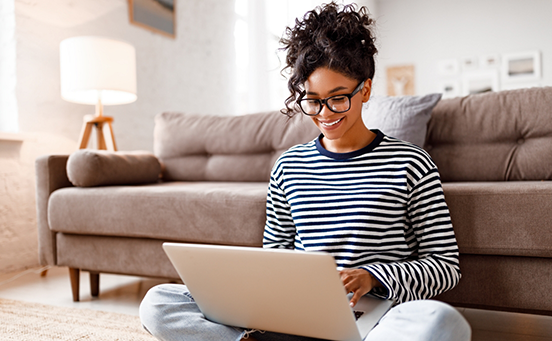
[450, 88]
[489, 61]
[400, 80]
[524, 66]
[480, 81]
[470, 63]
[154, 15]
[448, 67]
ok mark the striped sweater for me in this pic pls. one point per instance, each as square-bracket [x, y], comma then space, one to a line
[380, 208]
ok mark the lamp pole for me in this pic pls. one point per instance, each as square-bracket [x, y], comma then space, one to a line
[99, 105]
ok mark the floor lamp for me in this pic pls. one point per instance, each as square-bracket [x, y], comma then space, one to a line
[98, 71]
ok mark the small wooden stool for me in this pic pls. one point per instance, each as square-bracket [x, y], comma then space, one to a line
[91, 121]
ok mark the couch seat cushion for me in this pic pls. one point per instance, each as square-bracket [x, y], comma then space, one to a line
[201, 212]
[502, 218]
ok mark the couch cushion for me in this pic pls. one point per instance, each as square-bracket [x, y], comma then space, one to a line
[214, 212]
[87, 168]
[502, 218]
[232, 148]
[493, 136]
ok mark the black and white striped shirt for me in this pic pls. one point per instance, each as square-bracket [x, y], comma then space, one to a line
[380, 208]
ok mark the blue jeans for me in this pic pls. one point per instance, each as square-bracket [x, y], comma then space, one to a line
[169, 312]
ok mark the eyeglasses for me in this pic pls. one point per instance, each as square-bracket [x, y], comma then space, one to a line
[337, 103]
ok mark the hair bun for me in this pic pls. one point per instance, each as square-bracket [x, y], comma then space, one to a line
[335, 36]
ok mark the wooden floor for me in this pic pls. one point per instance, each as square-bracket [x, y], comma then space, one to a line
[123, 294]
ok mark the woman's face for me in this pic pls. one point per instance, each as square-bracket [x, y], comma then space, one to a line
[339, 128]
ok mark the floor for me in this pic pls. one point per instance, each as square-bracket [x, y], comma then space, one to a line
[122, 294]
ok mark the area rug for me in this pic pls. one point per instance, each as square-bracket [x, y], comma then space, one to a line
[31, 321]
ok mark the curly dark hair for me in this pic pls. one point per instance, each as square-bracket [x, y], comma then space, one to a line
[328, 36]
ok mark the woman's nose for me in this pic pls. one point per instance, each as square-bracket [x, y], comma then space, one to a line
[325, 112]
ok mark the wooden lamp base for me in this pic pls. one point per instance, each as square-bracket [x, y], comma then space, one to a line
[91, 121]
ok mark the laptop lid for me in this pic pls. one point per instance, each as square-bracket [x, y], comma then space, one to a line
[284, 291]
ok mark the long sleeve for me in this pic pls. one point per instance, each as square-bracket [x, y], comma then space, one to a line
[436, 268]
[381, 209]
[279, 230]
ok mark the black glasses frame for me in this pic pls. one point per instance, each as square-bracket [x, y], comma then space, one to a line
[322, 102]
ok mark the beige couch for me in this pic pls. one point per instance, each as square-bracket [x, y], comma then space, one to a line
[494, 152]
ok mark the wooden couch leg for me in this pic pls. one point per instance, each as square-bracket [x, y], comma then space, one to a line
[74, 274]
[95, 284]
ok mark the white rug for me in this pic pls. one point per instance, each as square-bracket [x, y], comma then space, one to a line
[30, 321]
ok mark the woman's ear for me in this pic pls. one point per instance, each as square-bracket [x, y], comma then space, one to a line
[367, 90]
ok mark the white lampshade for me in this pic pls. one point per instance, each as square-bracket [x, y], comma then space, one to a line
[95, 68]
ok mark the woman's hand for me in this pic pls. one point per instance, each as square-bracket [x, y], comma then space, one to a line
[359, 282]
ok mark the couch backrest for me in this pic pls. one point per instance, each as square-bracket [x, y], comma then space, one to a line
[232, 148]
[493, 136]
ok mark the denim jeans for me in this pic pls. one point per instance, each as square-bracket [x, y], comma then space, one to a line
[170, 313]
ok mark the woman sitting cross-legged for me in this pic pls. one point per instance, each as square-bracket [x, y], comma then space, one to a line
[372, 201]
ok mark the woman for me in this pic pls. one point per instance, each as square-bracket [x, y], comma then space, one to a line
[374, 202]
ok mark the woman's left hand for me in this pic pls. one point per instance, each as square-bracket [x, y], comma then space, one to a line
[359, 282]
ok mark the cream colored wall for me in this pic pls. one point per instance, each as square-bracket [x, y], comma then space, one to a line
[173, 74]
[18, 234]
[181, 74]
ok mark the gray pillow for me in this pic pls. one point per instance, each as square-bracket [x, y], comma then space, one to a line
[88, 167]
[402, 117]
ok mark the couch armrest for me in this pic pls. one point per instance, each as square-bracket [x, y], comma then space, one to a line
[51, 174]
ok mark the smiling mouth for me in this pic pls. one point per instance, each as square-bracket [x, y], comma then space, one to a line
[331, 123]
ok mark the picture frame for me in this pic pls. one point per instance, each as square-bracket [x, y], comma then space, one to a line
[400, 80]
[490, 61]
[449, 88]
[470, 63]
[521, 67]
[158, 16]
[448, 67]
[480, 81]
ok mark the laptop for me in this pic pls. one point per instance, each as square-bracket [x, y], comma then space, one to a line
[277, 290]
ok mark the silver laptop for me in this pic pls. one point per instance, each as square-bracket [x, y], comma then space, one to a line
[283, 291]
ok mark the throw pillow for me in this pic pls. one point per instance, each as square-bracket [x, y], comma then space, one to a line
[87, 168]
[402, 117]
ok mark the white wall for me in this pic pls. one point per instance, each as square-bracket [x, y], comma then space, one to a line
[422, 32]
[8, 102]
